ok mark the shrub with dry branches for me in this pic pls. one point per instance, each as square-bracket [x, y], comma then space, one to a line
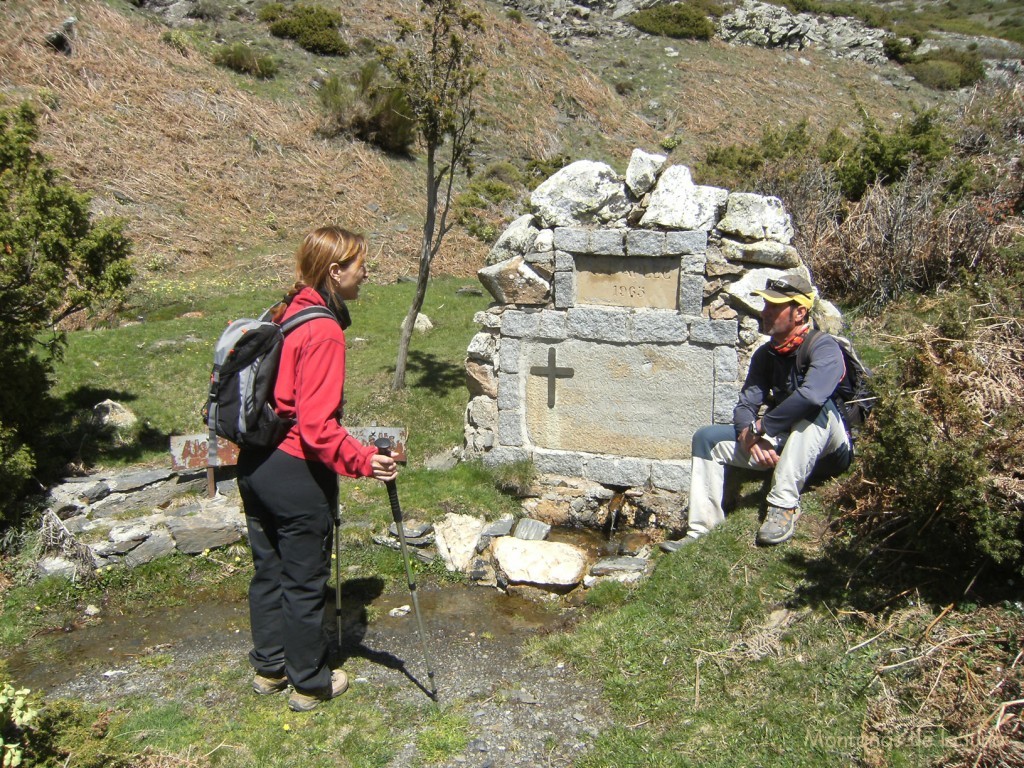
[940, 479]
[946, 210]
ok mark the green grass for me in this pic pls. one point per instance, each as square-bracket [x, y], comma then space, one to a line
[159, 366]
[697, 676]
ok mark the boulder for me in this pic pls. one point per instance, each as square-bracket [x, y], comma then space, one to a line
[56, 566]
[207, 530]
[422, 324]
[531, 530]
[584, 192]
[513, 281]
[517, 240]
[541, 563]
[742, 291]
[159, 544]
[480, 379]
[113, 415]
[482, 346]
[769, 252]
[456, 537]
[643, 171]
[753, 217]
[828, 318]
[678, 203]
[482, 411]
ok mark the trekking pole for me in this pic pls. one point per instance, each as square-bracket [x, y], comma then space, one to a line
[383, 446]
[337, 567]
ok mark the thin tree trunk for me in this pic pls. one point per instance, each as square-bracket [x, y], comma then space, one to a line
[426, 256]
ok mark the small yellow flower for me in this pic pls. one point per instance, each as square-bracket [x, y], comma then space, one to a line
[287, 727]
[206, 552]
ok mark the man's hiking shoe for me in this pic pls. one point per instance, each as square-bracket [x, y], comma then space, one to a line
[677, 544]
[778, 525]
[267, 685]
[303, 702]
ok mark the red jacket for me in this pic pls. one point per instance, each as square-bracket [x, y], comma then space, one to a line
[309, 388]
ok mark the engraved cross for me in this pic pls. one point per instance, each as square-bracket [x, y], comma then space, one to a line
[552, 372]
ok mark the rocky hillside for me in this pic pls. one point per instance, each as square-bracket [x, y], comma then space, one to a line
[212, 169]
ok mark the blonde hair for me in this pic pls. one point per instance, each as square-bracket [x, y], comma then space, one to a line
[318, 251]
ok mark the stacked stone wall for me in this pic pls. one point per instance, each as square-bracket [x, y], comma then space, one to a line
[624, 319]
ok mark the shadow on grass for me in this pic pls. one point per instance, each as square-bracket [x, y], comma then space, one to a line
[870, 571]
[73, 438]
[867, 573]
[356, 596]
[434, 374]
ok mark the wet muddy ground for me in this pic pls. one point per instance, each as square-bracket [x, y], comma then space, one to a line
[522, 712]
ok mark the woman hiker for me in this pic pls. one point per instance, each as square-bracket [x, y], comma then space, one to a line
[289, 493]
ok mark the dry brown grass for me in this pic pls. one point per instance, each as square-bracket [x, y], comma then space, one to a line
[957, 674]
[724, 94]
[208, 175]
[210, 172]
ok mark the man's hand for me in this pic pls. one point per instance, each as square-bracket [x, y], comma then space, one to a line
[760, 450]
[763, 453]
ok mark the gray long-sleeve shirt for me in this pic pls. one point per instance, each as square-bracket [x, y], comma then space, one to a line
[773, 380]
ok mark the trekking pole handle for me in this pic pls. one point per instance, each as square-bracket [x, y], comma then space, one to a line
[383, 446]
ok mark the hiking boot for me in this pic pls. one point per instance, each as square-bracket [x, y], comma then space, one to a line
[267, 685]
[303, 702]
[778, 525]
[675, 545]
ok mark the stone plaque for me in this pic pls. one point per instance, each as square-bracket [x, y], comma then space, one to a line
[627, 282]
[644, 400]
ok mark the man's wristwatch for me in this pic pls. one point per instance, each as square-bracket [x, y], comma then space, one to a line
[754, 430]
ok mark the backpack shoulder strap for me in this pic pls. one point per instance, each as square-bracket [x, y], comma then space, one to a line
[305, 315]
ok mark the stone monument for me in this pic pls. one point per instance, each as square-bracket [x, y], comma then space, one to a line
[623, 321]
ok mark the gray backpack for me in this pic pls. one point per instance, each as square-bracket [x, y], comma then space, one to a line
[245, 362]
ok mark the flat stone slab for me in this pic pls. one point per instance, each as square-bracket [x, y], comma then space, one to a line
[607, 401]
[610, 566]
[531, 530]
[543, 563]
[502, 527]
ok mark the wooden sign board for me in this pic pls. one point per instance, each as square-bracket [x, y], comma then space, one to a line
[189, 451]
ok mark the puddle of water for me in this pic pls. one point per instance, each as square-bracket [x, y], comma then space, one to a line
[114, 641]
[214, 625]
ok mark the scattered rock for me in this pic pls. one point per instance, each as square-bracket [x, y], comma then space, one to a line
[456, 538]
[531, 530]
[542, 563]
[442, 461]
[414, 529]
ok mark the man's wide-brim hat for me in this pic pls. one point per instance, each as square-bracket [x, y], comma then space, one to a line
[787, 288]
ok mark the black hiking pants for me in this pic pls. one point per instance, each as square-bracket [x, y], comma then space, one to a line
[289, 505]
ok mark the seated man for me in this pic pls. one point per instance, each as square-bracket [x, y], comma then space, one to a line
[801, 429]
